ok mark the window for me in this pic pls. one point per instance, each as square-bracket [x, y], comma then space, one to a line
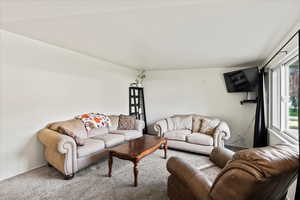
[284, 86]
[276, 98]
[292, 87]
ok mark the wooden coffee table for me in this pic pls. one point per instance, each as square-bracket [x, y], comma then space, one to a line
[135, 150]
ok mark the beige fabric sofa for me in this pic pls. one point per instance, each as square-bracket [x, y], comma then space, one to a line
[179, 130]
[62, 152]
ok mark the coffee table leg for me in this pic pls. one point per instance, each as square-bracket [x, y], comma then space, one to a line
[166, 148]
[135, 172]
[110, 162]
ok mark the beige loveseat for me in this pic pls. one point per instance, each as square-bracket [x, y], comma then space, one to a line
[184, 132]
[62, 152]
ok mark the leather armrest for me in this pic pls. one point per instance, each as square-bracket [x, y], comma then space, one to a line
[192, 178]
[220, 156]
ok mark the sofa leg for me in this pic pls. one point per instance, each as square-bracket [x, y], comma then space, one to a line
[68, 177]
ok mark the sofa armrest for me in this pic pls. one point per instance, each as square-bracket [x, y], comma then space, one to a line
[161, 127]
[192, 178]
[221, 133]
[224, 128]
[139, 125]
[51, 138]
[218, 139]
[220, 156]
[59, 146]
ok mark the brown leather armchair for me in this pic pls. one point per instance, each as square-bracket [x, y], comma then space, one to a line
[252, 174]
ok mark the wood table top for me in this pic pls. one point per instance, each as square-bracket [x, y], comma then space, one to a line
[139, 147]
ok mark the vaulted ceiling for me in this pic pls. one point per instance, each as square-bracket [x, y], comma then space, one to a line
[157, 34]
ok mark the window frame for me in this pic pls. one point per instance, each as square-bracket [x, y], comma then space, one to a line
[275, 125]
[286, 89]
[282, 66]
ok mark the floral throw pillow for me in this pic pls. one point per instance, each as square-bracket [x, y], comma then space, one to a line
[65, 131]
[126, 122]
[94, 120]
[208, 126]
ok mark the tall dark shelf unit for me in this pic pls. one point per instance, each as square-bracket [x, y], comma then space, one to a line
[137, 104]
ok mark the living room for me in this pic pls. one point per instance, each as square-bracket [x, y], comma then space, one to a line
[62, 59]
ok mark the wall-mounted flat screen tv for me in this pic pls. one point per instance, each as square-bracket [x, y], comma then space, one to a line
[244, 80]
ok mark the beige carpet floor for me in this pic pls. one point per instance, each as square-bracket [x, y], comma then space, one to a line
[92, 183]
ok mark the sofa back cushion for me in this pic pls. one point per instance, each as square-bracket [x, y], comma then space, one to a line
[182, 122]
[97, 131]
[170, 124]
[73, 125]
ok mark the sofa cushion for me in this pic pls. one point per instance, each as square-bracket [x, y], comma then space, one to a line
[177, 135]
[74, 125]
[110, 139]
[200, 138]
[208, 126]
[126, 122]
[128, 134]
[183, 122]
[114, 122]
[97, 131]
[90, 146]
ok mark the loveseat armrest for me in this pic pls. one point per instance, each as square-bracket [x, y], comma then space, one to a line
[190, 177]
[139, 125]
[161, 127]
[220, 156]
[224, 128]
[221, 133]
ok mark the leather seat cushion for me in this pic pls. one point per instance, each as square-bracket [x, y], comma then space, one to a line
[90, 146]
[128, 134]
[199, 138]
[111, 140]
[177, 135]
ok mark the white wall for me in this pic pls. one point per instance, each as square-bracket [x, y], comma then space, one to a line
[200, 91]
[40, 83]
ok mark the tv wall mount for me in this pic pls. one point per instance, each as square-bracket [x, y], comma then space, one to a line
[247, 100]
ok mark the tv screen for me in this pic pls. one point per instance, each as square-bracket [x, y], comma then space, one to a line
[242, 80]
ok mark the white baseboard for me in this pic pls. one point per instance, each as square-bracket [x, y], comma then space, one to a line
[22, 172]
